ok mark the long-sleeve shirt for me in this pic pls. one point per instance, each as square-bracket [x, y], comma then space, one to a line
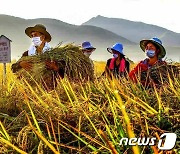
[141, 67]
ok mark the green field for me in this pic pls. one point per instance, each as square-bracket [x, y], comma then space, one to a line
[89, 117]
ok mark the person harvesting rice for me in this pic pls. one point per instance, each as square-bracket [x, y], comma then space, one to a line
[87, 50]
[40, 43]
[155, 52]
[40, 40]
[117, 66]
[44, 65]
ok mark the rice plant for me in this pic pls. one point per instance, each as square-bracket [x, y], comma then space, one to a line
[85, 117]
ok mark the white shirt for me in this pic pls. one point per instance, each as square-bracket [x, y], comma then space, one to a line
[32, 49]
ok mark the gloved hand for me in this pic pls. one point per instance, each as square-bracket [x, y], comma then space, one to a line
[26, 65]
[52, 65]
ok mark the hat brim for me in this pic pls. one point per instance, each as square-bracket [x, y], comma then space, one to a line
[29, 30]
[90, 48]
[110, 50]
[162, 53]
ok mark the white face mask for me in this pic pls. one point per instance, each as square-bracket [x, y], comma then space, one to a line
[36, 41]
[87, 54]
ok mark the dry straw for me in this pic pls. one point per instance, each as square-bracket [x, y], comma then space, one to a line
[160, 74]
[70, 59]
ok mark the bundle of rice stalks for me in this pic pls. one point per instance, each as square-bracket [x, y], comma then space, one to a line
[26, 140]
[70, 59]
[161, 74]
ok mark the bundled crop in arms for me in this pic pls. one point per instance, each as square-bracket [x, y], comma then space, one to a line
[69, 58]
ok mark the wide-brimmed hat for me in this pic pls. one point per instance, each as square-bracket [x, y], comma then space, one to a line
[38, 28]
[117, 47]
[87, 45]
[155, 41]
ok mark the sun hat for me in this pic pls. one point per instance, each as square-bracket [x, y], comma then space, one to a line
[117, 47]
[155, 41]
[38, 28]
[87, 45]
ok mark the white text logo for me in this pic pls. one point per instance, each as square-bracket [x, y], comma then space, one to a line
[167, 141]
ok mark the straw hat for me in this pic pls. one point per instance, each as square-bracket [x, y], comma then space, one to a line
[155, 41]
[38, 28]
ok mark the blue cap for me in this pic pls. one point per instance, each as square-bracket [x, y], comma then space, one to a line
[87, 45]
[117, 47]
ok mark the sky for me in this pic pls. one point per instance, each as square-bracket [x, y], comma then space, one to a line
[164, 13]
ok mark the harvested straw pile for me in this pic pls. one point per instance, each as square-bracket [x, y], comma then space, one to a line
[70, 59]
[161, 74]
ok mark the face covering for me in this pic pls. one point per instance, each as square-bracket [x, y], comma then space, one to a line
[115, 55]
[36, 41]
[150, 53]
[87, 54]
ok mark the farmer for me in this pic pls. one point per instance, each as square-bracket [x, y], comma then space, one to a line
[87, 50]
[154, 51]
[117, 66]
[40, 44]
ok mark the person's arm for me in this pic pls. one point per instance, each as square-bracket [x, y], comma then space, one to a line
[57, 67]
[133, 73]
[140, 67]
[52, 65]
[18, 65]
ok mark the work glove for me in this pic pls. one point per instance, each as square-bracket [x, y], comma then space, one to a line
[26, 65]
[52, 65]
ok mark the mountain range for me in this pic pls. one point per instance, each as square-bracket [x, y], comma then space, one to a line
[102, 32]
[135, 31]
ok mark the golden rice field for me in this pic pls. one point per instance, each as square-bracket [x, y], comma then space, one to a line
[89, 117]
